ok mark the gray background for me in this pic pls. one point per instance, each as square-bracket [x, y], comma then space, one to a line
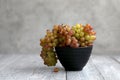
[24, 22]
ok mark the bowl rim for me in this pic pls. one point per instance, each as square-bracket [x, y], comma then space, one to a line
[75, 48]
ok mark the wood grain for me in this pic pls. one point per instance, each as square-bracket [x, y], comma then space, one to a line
[6, 60]
[29, 67]
[116, 58]
[109, 68]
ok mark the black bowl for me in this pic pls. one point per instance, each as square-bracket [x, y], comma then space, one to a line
[73, 59]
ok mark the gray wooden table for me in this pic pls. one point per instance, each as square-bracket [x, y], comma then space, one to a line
[30, 67]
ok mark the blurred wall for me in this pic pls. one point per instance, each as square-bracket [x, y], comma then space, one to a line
[23, 22]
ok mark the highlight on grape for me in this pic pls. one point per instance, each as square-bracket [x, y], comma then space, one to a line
[65, 36]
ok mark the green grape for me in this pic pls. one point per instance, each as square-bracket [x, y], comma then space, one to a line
[73, 27]
[52, 38]
[50, 61]
[77, 30]
[87, 37]
[92, 37]
[77, 35]
[50, 54]
[83, 45]
[48, 35]
[55, 36]
[78, 26]
[60, 39]
[49, 49]
[55, 41]
[50, 58]
[81, 28]
[54, 44]
[81, 34]
[90, 41]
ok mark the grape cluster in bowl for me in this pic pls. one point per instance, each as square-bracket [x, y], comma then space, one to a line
[65, 36]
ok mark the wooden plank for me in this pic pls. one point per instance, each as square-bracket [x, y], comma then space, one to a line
[21, 69]
[6, 70]
[89, 72]
[116, 58]
[46, 73]
[109, 68]
[30, 67]
[7, 59]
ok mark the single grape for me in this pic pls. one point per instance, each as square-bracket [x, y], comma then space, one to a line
[87, 37]
[78, 26]
[83, 45]
[77, 35]
[68, 41]
[68, 29]
[92, 37]
[81, 34]
[78, 30]
[82, 39]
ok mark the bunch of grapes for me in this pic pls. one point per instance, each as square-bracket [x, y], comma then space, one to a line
[65, 36]
[84, 34]
[48, 43]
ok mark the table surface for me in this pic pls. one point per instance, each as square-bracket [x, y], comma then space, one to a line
[30, 67]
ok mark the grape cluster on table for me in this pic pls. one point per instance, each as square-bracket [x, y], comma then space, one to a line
[65, 36]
